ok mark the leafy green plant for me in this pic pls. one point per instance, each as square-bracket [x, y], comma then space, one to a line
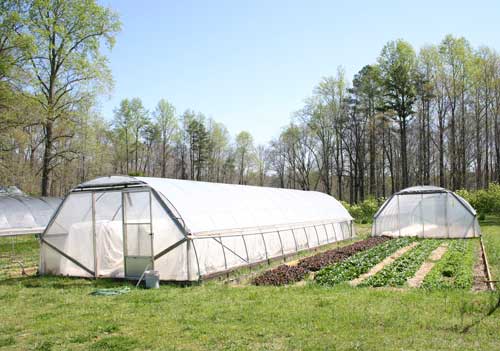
[360, 263]
[364, 211]
[397, 273]
[454, 270]
[485, 201]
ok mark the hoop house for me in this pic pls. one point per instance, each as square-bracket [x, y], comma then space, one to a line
[426, 211]
[22, 214]
[120, 226]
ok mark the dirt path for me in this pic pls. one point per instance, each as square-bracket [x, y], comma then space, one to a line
[426, 267]
[480, 276]
[379, 266]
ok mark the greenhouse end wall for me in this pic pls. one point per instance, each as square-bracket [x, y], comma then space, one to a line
[426, 215]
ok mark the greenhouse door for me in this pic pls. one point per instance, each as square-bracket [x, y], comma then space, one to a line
[137, 233]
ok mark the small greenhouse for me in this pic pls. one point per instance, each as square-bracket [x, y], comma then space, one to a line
[426, 211]
[120, 226]
[23, 214]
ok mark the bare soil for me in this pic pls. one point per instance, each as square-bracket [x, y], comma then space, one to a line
[480, 276]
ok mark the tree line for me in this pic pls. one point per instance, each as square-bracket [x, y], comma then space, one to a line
[411, 117]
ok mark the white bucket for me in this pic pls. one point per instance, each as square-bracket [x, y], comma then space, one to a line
[152, 279]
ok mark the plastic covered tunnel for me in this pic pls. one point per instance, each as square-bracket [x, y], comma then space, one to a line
[426, 211]
[186, 230]
[22, 214]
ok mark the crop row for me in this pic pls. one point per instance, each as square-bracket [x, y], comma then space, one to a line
[285, 274]
[404, 267]
[360, 263]
[455, 269]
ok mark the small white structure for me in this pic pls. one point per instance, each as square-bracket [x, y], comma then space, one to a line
[428, 212]
[186, 230]
[22, 214]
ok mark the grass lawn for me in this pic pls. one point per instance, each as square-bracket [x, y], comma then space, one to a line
[50, 313]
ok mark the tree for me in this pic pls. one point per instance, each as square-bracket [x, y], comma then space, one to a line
[244, 153]
[398, 66]
[367, 91]
[167, 124]
[65, 65]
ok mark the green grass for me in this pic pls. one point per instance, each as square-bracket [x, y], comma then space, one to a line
[455, 269]
[18, 252]
[405, 267]
[50, 313]
[491, 237]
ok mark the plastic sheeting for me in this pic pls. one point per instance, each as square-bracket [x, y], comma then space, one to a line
[199, 229]
[426, 211]
[22, 214]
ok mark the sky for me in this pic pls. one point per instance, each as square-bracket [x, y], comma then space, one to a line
[250, 64]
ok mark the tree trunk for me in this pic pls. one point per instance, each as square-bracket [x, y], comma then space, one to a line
[46, 158]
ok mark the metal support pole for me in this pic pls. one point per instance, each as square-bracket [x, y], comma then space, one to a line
[94, 236]
[422, 214]
[317, 235]
[335, 232]
[446, 216]
[151, 231]
[246, 249]
[265, 247]
[295, 240]
[281, 243]
[307, 238]
[399, 216]
[188, 263]
[223, 252]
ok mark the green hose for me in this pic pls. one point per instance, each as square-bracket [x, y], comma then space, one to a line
[110, 292]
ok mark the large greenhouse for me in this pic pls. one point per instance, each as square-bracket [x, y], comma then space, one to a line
[121, 226]
[427, 212]
[22, 214]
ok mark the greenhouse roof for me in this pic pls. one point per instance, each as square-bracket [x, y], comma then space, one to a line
[22, 214]
[207, 207]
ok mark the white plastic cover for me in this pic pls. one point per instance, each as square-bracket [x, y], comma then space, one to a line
[227, 226]
[208, 207]
[22, 214]
[426, 211]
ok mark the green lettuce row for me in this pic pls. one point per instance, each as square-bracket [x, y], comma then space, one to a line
[360, 263]
[405, 267]
[455, 269]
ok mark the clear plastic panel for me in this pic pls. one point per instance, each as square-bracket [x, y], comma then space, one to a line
[273, 244]
[137, 207]
[460, 220]
[72, 230]
[210, 255]
[255, 247]
[288, 241]
[234, 249]
[173, 265]
[138, 240]
[301, 238]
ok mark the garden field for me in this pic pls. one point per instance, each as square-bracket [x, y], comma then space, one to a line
[327, 312]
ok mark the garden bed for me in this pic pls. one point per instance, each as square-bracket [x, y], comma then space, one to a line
[360, 263]
[287, 274]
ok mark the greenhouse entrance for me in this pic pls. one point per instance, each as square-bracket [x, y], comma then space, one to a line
[137, 233]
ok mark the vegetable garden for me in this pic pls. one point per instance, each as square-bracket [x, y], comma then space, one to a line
[404, 262]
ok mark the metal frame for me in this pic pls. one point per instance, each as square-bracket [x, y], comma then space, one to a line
[125, 223]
